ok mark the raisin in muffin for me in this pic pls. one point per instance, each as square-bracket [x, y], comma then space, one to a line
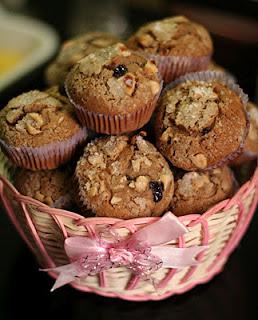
[74, 50]
[177, 45]
[201, 124]
[52, 187]
[124, 178]
[39, 130]
[114, 90]
[195, 192]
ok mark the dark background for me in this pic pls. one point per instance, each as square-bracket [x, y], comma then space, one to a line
[24, 291]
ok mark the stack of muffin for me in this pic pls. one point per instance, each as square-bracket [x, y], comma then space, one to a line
[132, 129]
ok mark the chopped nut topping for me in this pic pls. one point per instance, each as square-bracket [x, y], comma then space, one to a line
[141, 183]
[167, 134]
[39, 196]
[37, 118]
[130, 83]
[97, 160]
[14, 115]
[32, 130]
[166, 179]
[199, 160]
[145, 40]
[150, 67]
[155, 87]
[115, 200]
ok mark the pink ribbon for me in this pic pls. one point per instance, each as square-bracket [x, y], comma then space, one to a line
[144, 252]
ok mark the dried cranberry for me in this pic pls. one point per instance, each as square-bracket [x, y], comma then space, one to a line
[120, 70]
[157, 190]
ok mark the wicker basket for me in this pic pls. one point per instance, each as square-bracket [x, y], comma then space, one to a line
[44, 229]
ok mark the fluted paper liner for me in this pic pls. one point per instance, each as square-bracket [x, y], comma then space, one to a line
[49, 156]
[171, 67]
[115, 124]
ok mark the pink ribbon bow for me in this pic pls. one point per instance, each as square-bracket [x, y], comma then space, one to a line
[144, 252]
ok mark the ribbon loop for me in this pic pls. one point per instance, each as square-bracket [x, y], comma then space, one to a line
[144, 252]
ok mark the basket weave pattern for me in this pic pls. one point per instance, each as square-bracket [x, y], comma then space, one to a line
[44, 229]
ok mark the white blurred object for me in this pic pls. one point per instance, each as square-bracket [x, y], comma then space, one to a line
[33, 40]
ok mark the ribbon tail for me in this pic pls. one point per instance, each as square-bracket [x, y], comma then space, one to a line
[178, 257]
[67, 274]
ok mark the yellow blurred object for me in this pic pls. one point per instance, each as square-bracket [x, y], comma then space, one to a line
[8, 60]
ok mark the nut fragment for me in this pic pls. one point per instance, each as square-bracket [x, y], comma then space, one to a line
[145, 40]
[130, 83]
[199, 160]
[48, 200]
[115, 200]
[60, 120]
[37, 118]
[33, 131]
[34, 107]
[141, 183]
[167, 135]
[155, 87]
[14, 115]
[39, 196]
[150, 68]
[166, 179]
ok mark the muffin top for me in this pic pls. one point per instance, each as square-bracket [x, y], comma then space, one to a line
[250, 150]
[37, 118]
[200, 124]
[195, 192]
[124, 178]
[176, 36]
[113, 81]
[74, 50]
[51, 187]
[251, 144]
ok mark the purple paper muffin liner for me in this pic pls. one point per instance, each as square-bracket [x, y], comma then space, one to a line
[171, 67]
[231, 84]
[115, 124]
[49, 156]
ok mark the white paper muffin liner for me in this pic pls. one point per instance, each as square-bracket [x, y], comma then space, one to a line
[171, 67]
[46, 157]
[115, 124]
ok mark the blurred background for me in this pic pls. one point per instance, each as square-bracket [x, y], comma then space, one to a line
[233, 25]
[233, 294]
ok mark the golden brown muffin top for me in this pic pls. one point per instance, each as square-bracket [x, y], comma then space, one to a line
[113, 81]
[124, 178]
[195, 192]
[74, 50]
[176, 36]
[51, 187]
[200, 124]
[36, 118]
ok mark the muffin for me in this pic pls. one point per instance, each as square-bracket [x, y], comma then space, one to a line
[250, 150]
[124, 178]
[201, 121]
[196, 192]
[74, 50]
[176, 44]
[52, 187]
[114, 90]
[39, 131]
